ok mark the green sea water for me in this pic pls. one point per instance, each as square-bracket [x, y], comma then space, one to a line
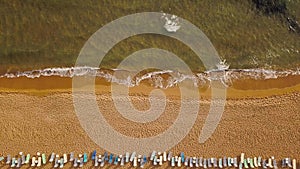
[39, 34]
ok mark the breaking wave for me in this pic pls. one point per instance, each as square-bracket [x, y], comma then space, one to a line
[159, 79]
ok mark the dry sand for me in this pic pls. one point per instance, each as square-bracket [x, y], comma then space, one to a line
[41, 117]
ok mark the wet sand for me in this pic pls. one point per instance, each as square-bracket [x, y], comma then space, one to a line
[38, 115]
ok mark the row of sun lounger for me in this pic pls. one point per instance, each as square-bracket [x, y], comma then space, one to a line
[155, 159]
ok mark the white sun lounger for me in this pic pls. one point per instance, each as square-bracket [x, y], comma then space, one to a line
[235, 162]
[122, 161]
[209, 163]
[204, 163]
[96, 163]
[65, 157]
[255, 162]
[173, 162]
[62, 162]
[246, 163]
[179, 162]
[229, 162]
[132, 156]
[134, 161]
[264, 164]
[13, 162]
[39, 161]
[169, 156]
[186, 161]
[191, 162]
[201, 162]
[102, 162]
[56, 163]
[52, 157]
[8, 159]
[44, 161]
[294, 164]
[22, 157]
[251, 163]
[152, 155]
[270, 163]
[71, 156]
[259, 161]
[224, 162]
[197, 162]
[160, 160]
[165, 156]
[220, 163]
[155, 161]
[1, 158]
[33, 162]
[215, 162]
[289, 162]
[19, 162]
[81, 162]
[75, 162]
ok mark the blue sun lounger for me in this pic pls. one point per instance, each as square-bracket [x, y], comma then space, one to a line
[110, 160]
[85, 158]
[94, 153]
[182, 157]
[116, 160]
[143, 161]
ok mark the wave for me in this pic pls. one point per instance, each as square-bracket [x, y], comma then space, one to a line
[159, 79]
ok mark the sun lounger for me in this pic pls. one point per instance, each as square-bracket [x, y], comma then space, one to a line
[81, 162]
[33, 162]
[242, 156]
[85, 157]
[235, 162]
[182, 157]
[241, 165]
[65, 158]
[19, 162]
[259, 161]
[220, 163]
[132, 156]
[96, 163]
[94, 153]
[56, 163]
[275, 164]
[209, 163]
[264, 164]
[110, 160]
[251, 163]
[152, 155]
[44, 160]
[116, 160]
[160, 159]
[165, 156]
[294, 164]
[200, 162]
[197, 162]
[173, 162]
[224, 162]
[8, 159]
[246, 163]
[191, 162]
[39, 163]
[122, 160]
[289, 162]
[229, 162]
[134, 161]
[204, 163]
[143, 161]
[99, 158]
[155, 161]
[186, 161]
[1, 158]
[75, 162]
[169, 156]
[215, 162]
[13, 163]
[62, 162]
[255, 162]
[105, 156]
[52, 157]
[270, 163]
[71, 156]
[102, 162]
[179, 162]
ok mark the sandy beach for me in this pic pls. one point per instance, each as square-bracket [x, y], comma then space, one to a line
[39, 116]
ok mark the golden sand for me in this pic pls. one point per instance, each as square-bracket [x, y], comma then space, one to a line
[38, 115]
